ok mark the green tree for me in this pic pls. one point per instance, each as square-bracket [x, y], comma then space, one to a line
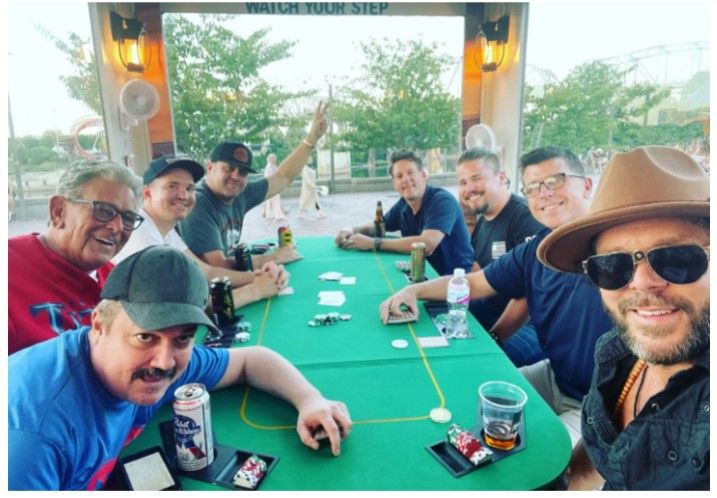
[84, 85]
[398, 101]
[587, 109]
[216, 91]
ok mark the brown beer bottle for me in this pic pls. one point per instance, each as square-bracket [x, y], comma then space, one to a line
[379, 224]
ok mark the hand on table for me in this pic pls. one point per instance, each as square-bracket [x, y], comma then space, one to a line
[360, 242]
[275, 272]
[332, 416]
[286, 254]
[343, 236]
[401, 304]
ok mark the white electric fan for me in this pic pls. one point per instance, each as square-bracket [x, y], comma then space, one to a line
[139, 101]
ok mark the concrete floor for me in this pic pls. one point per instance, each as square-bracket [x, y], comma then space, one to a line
[341, 210]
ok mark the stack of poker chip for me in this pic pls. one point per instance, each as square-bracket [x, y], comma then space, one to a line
[328, 319]
[468, 445]
[249, 475]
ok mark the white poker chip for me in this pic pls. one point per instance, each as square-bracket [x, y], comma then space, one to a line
[399, 343]
[440, 415]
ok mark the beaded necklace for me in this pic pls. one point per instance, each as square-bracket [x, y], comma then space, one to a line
[631, 378]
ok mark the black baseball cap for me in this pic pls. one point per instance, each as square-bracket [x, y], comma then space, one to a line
[159, 287]
[235, 154]
[164, 163]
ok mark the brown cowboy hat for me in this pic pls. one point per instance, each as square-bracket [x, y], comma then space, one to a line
[646, 182]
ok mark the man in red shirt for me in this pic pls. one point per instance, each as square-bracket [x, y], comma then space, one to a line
[54, 279]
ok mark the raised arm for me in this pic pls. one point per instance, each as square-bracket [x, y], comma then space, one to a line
[294, 162]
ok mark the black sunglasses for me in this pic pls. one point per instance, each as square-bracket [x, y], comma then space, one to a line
[676, 264]
[106, 212]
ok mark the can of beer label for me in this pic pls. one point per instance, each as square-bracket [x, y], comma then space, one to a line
[220, 291]
[193, 427]
[242, 256]
[286, 238]
[418, 261]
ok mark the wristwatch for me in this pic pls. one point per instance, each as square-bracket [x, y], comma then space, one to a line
[377, 243]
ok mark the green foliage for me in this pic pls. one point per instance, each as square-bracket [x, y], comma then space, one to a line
[590, 108]
[216, 90]
[84, 85]
[400, 102]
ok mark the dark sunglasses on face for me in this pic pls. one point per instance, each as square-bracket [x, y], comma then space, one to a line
[551, 182]
[681, 264]
[105, 212]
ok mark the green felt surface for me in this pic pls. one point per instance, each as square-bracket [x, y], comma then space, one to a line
[389, 391]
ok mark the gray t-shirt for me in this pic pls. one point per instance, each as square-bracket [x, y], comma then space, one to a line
[214, 225]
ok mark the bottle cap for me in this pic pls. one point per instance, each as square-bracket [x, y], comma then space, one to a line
[459, 272]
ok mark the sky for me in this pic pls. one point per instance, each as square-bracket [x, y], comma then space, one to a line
[561, 36]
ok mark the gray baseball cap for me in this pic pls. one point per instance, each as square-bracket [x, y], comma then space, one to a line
[159, 287]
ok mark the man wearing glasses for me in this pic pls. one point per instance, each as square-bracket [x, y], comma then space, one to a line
[54, 279]
[565, 308]
[645, 244]
[214, 227]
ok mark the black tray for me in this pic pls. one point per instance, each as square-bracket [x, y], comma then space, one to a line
[458, 465]
[435, 308]
[227, 461]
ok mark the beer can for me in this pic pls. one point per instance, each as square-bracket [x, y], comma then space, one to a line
[286, 238]
[220, 291]
[418, 261]
[242, 256]
[193, 436]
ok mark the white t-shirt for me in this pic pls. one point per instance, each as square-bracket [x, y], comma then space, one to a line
[148, 235]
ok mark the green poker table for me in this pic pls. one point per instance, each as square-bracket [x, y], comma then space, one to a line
[389, 392]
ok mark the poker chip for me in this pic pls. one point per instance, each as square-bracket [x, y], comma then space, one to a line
[399, 343]
[312, 323]
[344, 317]
[440, 415]
[242, 336]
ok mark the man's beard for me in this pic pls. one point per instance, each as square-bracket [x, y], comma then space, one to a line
[482, 209]
[696, 341]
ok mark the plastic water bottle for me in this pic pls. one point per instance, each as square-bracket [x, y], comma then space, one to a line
[459, 292]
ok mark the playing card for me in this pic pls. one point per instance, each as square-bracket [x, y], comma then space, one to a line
[331, 275]
[286, 291]
[437, 341]
[406, 318]
[347, 280]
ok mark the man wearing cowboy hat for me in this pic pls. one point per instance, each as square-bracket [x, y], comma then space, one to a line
[565, 309]
[645, 244]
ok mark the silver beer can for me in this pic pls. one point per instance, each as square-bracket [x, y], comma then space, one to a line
[418, 261]
[193, 427]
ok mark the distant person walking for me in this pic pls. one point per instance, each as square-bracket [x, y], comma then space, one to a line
[272, 206]
[309, 197]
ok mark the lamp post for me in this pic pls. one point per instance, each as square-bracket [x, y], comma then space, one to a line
[331, 143]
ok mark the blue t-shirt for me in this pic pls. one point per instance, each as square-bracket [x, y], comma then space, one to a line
[565, 307]
[65, 430]
[216, 226]
[439, 211]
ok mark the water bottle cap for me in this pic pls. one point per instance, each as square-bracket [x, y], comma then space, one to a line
[459, 272]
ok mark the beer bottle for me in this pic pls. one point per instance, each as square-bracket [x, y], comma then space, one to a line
[379, 224]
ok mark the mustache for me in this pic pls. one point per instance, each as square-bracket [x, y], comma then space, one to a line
[641, 299]
[155, 373]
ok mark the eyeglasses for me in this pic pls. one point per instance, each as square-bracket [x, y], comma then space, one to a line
[677, 264]
[551, 182]
[106, 212]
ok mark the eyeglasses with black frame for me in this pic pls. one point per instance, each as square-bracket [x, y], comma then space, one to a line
[551, 182]
[105, 212]
[677, 264]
